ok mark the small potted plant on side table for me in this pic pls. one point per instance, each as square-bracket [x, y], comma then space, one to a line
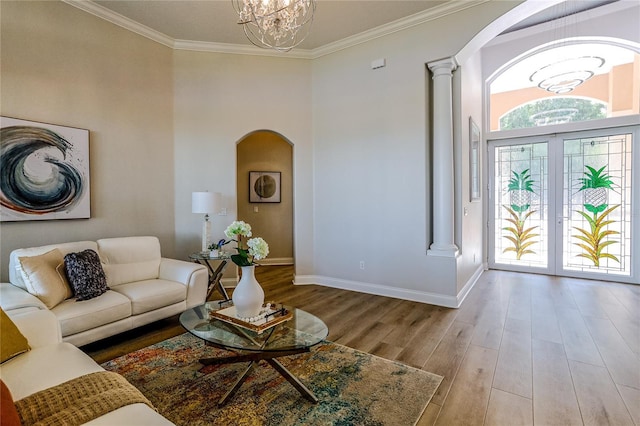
[215, 249]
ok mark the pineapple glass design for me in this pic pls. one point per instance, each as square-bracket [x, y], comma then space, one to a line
[594, 187]
[520, 189]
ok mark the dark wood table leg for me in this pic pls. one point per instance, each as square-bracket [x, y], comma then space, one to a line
[215, 277]
[293, 380]
[235, 386]
[270, 357]
[253, 356]
[217, 280]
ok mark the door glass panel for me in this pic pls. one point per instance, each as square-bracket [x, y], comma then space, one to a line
[521, 204]
[597, 205]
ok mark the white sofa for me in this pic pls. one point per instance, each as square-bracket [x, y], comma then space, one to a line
[143, 287]
[51, 362]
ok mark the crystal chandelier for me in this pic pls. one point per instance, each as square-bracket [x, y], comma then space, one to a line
[275, 24]
[565, 75]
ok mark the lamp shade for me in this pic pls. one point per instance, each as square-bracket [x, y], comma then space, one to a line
[205, 202]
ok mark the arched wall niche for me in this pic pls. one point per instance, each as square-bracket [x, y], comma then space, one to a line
[267, 151]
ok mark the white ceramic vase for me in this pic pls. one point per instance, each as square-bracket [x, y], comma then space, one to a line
[248, 296]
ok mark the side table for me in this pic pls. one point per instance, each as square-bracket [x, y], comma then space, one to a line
[215, 274]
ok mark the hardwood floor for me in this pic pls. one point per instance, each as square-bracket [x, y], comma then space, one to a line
[523, 349]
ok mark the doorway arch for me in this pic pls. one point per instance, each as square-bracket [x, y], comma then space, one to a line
[270, 218]
[570, 138]
[468, 58]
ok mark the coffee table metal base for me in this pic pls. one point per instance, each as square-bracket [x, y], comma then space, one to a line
[270, 358]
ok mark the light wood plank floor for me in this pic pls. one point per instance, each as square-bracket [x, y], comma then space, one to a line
[523, 349]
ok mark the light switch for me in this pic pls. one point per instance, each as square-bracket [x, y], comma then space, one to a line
[255, 209]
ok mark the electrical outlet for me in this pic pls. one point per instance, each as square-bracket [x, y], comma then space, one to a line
[223, 212]
[362, 264]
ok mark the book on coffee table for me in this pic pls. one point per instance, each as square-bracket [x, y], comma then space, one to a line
[271, 315]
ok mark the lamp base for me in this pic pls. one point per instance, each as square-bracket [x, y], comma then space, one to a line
[206, 233]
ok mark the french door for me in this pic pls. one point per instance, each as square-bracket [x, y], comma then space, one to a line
[562, 204]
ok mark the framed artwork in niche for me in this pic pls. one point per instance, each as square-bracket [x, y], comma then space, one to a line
[264, 187]
[474, 161]
[44, 171]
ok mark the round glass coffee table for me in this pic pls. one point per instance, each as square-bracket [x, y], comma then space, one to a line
[291, 337]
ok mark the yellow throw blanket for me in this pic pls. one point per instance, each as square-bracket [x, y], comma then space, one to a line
[79, 400]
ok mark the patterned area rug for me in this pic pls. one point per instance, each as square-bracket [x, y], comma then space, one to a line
[354, 388]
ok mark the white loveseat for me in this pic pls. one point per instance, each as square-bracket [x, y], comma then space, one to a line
[51, 362]
[143, 287]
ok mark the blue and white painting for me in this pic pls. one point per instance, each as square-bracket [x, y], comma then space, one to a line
[44, 171]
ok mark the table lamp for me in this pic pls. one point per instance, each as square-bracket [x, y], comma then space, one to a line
[205, 202]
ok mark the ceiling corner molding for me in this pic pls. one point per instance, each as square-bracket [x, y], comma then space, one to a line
[398, 25]
[122, 21]
[238, 49]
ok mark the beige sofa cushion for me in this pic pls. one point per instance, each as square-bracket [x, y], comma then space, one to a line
[129, 259]
[45, 278]
[75, 316]
[148, 295]
[15, 274]
[45, 367]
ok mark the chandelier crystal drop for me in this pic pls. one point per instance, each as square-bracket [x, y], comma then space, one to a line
[275, 24]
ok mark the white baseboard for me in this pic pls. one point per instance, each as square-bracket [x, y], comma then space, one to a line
[397, 293]
[229, 282]
[379, 290]
[277, 261]
[469, 285]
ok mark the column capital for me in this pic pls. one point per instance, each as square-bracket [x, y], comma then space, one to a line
[443, 66]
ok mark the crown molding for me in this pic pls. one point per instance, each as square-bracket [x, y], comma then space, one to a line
[419, 18]
[122, 21]
[240, 49]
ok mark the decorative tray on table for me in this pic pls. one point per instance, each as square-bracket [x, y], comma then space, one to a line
[271, 315]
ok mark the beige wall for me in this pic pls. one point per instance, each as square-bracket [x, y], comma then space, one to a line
[63, 66]
[219, 100]
[269, 152]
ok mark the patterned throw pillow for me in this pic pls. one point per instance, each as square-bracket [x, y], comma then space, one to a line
[85, 274]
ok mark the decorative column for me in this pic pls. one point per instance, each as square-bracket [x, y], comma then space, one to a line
[443, 188]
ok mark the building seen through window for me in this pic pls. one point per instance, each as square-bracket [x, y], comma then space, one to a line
[569, 82]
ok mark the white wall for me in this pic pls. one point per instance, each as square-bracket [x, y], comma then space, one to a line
[63, 66]
[220, 98]
[372, 178]
[470, 225]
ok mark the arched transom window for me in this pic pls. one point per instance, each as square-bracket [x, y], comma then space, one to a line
[569, 81]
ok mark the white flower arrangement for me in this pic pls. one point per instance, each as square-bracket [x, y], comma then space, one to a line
[258, 248]
[238, 228]
[249, 251]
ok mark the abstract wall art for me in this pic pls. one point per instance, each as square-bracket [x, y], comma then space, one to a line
[44, 171]
[264, 187]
